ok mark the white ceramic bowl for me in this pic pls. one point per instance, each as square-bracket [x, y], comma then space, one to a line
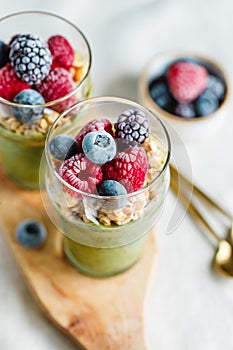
[189, 129]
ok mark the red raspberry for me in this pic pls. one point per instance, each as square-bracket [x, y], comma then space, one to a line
[10, 84]
[94, 125]
[82, 174]
[186, 80]
[62, 52]
[128, 167]
[57, 84]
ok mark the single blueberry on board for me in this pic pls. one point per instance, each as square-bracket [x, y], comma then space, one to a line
[99, 147]
[28, 114]
[31, 234]
[63, 147]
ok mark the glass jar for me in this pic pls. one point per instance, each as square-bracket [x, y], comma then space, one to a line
[105, 235]
[21, 145]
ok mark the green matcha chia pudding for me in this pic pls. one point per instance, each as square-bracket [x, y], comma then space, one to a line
[43, 71]
[106, 177]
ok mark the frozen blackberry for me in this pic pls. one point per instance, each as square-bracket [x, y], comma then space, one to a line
[30, 58]
[132, 125]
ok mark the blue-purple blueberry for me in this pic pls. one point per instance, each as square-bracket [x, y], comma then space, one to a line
[31, 234]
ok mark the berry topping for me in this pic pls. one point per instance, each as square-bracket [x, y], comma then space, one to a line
[30, 58]
[129, 167]
[132, 126]
[10, 84]
[28, 97]
[62, 52]
[31, 234]
[63, 147]
[113, 188]
[160, 93]
[94, 125]
[56, 85]
[4, 54]
[99, 147]
[186, 80]
[216, 86]
[207, 103]
[80, 173]
[185, 110]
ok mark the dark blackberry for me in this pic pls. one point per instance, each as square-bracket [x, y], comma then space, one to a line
[185, 110]
[132, 126]
[4, 54]
[30, 58]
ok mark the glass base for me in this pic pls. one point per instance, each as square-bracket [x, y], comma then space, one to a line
[103, 262]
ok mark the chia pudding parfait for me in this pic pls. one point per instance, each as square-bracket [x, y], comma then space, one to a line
[106, 177]
[45, 66]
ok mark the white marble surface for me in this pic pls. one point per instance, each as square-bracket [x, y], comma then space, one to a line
[190, 307]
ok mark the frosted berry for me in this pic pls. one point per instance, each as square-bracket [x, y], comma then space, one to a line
[4, 53]
[111, 188]
[30, 58]
[99, 147]
[63, 147]
[207, 103]
[216, 86]
[56, 85]
[94, 125]
[132, 126]
[82, 174]
[10, 84]
[185, 110]
[62, 52]
[128, 167]
[31, 234]
[186, 80]
[28, 97]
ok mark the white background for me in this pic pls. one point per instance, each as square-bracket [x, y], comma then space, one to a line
[190, 306]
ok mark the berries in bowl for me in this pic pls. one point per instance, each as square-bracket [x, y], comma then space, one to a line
[108, 193]
[189, 92]
[41, 74]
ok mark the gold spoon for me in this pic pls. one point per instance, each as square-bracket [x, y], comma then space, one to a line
[223, 260]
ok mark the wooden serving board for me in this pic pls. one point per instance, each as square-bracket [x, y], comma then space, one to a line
[98, 314]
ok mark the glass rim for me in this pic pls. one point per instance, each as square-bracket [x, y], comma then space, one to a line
[71, 93]
[107, 99]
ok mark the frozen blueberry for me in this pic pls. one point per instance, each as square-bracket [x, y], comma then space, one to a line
[185, 110]
[113, 188]
[31, 234]
[28, 114]
[217, 86]
[63, 147]
[206, 103]
[160, 93]
[99, 147]
[4, 53]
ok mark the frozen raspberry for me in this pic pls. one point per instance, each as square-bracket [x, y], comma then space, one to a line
[62, 51]
[94, 125]
[10, 84]
[128, 167]
[82, 174]
[186, 80]
[56, 85]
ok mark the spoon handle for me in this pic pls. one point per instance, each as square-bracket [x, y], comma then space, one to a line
[194, 212]
[199, 193]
